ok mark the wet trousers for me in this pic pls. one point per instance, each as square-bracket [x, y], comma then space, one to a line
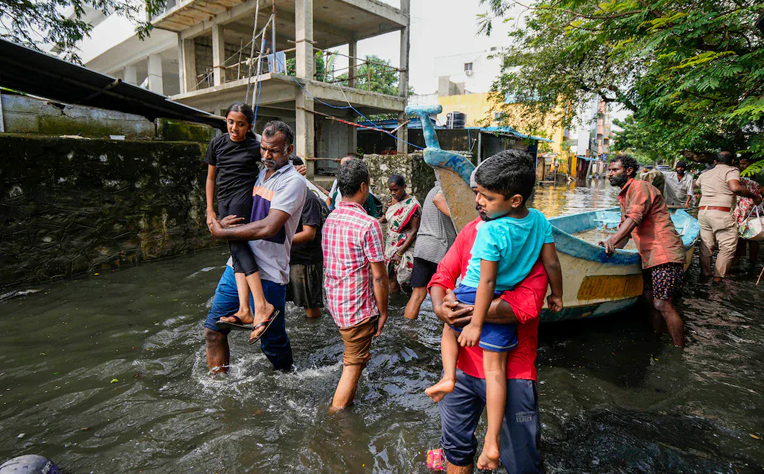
[718, 229]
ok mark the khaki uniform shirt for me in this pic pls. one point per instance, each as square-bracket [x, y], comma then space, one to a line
[714, 187]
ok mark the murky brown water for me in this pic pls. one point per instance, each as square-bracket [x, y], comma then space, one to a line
[106, 374]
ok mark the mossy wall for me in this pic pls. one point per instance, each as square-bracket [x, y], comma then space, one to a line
[69, 206]
[419, 176]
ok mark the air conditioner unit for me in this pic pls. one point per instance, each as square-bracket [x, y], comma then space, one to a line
[468, 72]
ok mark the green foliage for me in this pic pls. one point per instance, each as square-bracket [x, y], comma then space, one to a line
[376, 75]
[320, 67]
[691, 71]
[62, 23]
[636, 141]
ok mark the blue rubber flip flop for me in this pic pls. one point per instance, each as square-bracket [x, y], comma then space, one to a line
[267, 323]
[237, 326]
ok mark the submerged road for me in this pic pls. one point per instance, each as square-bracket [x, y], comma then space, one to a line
[106, 374]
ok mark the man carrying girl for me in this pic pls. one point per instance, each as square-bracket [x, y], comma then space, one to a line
[278, 197]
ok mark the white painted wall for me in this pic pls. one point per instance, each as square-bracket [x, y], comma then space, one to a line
[484, 69]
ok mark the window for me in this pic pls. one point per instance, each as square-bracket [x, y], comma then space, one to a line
[468, 69]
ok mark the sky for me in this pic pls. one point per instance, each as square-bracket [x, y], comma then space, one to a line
[438, 28]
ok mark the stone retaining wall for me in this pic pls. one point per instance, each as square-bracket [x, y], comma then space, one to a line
[419, 176]
[74, 205]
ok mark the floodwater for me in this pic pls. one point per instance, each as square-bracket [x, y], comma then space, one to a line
[107, 374]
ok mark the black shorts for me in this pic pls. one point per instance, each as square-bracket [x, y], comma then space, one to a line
[422, 272]
[306, 285]
[665, 280]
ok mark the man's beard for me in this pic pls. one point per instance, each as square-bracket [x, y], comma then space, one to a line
[618, 180]
[269, 163]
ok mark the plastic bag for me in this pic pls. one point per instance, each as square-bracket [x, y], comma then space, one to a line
[753, 227]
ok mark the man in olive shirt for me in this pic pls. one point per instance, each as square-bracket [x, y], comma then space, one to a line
[718, 227]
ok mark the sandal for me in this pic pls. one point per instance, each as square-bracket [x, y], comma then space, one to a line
[267, 323]
[237, 326]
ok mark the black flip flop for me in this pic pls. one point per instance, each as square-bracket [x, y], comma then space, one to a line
[237, 326]
[267, 323]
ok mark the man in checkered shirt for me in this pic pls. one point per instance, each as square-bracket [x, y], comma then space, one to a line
[355, 276]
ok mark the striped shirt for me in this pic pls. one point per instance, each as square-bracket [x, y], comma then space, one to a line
[351, 241]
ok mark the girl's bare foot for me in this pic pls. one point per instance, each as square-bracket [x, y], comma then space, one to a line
[489, 458]
[244, 315]
[440, 389]
[262, 314]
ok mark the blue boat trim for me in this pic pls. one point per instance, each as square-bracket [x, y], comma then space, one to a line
[564, 227]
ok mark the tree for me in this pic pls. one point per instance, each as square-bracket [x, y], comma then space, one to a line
[61, 22]
[636, 141]
[689, 70]
[376, 75]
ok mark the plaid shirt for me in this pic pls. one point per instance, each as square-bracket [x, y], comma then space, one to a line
[351, 241]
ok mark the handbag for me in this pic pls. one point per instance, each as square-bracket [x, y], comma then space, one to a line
[753, 227]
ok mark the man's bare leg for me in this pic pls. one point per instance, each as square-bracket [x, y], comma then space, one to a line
[415, 302]
[449, 353]
[495, 367]
[656, 317]
[218, 354]
[313, 313]
[673, 321]
[346, 388]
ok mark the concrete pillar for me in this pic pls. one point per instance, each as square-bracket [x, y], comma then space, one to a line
[352, 62]
[403, 78]
[156, 83]
[304, 120]
[305, 132]
[186, 65]
[131, 75]
[352, 135]
[218, 55]
[303, 34]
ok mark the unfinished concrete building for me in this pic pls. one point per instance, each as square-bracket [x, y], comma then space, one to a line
[220, 64]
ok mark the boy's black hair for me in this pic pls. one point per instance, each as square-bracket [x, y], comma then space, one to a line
[627, 161]
[245, 110]
[351, 175]
[508, 172]
[275, 126]
[398, 180]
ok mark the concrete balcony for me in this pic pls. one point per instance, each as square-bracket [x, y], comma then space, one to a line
[335, 22]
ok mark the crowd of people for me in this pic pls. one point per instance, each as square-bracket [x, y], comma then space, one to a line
[286, 243]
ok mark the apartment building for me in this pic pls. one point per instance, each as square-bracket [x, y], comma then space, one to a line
[202, 53]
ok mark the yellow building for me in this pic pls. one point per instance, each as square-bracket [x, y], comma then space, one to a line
[479, 110]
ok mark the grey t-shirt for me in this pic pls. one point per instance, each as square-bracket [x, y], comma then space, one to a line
[285, 190]
[436, 231]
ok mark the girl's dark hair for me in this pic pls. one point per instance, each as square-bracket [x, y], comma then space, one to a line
[248, 113]
[398, 180]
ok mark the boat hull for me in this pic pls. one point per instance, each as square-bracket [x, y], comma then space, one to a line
[593, 284]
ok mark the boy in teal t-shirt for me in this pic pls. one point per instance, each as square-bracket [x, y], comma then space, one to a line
[506, 247]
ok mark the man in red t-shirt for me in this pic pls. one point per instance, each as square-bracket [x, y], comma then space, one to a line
[460, 410]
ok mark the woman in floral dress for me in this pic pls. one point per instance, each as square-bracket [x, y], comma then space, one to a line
[743, 210]
[402, 217]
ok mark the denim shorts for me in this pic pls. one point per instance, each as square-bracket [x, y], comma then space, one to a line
[493, 337]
